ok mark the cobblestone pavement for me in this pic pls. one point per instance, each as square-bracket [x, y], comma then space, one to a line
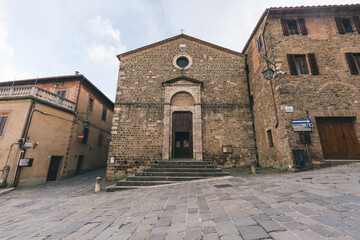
[319, 204]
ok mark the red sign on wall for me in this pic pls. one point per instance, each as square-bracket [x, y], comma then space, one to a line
[81, 136]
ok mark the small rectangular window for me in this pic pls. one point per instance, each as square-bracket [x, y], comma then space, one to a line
[91, 104]
[347, 24]
[292, 26]
[301, 66]
[103, 117]
[86, 134]
[100, 139]
[2, 124]
[353, 60]
[270, 138]
[61, 93]
[259, 43]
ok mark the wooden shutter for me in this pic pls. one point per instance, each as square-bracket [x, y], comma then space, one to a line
[292, 65]
[357, 23]
[2, 124]
[340, 25]
[351, 63]
[303, 28]
[313, 64]
[285, 27]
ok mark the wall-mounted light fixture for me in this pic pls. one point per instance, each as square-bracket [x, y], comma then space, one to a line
[269, 72]
[86, 123]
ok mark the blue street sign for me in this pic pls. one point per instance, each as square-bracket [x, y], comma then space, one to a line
[301, 121]
[302, 124]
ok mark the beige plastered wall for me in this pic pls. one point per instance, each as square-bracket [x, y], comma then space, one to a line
[51, 132]
[17, 112]
[95, 156]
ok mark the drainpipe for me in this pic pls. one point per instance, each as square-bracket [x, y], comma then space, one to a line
[22, 141]
[270, 81]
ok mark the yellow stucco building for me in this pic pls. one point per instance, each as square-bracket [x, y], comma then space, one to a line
[40, 124]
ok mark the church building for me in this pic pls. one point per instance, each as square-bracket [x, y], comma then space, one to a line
[186, 98]
[181, 98]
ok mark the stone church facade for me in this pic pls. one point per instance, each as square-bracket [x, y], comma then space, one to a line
[186, 98]
[181, 98]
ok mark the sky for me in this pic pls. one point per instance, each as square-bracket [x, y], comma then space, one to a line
[43, 38]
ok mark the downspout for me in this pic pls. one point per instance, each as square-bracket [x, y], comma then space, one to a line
[251, 103]
[22, 141]
[270, 81]
[73, 124]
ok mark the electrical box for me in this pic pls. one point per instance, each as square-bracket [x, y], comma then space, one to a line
[28, 145]
[26, 162]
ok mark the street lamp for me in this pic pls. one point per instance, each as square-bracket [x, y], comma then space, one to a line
[86, 123]
[268, 73]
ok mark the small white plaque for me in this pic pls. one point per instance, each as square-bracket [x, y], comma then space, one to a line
[112, 159]
[289, 109]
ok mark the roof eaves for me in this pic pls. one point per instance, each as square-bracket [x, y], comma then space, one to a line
[175, 38]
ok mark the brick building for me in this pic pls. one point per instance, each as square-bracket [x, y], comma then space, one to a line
[186, 98]
[316, 51]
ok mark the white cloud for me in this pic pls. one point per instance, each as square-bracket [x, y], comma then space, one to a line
[101, 52]
[104, 28]
[4, 47]
[106, 42]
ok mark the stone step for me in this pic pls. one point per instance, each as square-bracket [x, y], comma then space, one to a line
[113, 188]
[142, 183]
[166, 172]
[162, 178]
[202, 163]
[180, 166]
[184, 174]
[198, 169]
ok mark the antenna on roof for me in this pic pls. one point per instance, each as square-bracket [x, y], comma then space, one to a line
[36, 79]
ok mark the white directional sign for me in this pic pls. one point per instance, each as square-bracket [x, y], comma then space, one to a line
[302, 125]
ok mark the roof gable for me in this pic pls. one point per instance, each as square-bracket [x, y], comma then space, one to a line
[176, 38]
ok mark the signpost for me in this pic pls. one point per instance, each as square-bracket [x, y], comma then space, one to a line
[302, 125]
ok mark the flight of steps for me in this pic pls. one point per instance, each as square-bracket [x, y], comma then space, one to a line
[165, 172]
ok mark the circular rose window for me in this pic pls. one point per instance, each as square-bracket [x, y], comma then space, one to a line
[182, 62]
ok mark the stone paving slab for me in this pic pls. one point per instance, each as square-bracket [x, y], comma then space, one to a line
[318, 204]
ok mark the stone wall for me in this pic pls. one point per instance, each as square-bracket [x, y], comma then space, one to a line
[334, 92]
[138, 123]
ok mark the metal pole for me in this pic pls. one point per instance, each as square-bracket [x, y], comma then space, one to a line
[308, 153]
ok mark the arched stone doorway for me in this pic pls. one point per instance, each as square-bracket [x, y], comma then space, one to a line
[182, 120]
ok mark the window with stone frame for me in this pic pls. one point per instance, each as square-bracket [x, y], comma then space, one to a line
[100, 139]
[2, 124]
[345, 25]
[290, 26]
[103, 116]
[353, 60]
[298, 64]
[91, 104]
[61, 93]
[259, 43]
[270, 138]
[86, 135]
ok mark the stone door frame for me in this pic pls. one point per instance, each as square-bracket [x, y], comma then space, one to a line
[194, 89]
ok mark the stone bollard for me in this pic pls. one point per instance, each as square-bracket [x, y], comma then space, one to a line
[97, 184]
[253, 167]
